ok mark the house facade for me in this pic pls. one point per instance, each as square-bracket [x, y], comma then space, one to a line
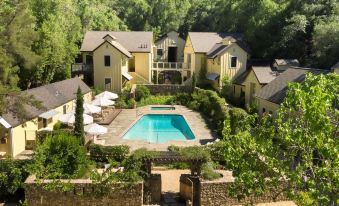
[112, 59]
[272, 95]
[57, 98]
[169, 48]
[219, 54]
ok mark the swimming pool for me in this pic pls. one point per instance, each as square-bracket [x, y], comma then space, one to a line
[159, 128]
[162, 108]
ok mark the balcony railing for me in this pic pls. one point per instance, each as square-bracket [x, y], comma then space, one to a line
[170, 65]
[80, 67]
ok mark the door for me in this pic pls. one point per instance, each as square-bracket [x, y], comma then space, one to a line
[108, 83]
[172, 54]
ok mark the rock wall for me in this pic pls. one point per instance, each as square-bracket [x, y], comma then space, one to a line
[83, 194]
[152, 189]
[214, 193]
[168, 89]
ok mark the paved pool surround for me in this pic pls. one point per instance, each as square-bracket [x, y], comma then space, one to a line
[128, 117]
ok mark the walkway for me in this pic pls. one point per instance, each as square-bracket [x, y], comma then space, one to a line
[128, 117]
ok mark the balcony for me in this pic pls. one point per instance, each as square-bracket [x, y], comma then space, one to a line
[175, 66]
[81, 68]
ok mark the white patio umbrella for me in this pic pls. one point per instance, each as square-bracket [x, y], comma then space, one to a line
[107, 95]
[95, 129]
[69, 118]
[91, 109]
[103, 102]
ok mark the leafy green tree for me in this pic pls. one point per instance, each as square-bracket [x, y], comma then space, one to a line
[60, 156]
[79, 118]
[298, 146]
[11, 176]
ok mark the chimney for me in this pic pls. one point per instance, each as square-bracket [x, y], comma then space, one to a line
[228, 40]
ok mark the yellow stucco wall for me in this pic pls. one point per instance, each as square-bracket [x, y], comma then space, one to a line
[251, 81]
[269, 106]
[188, 49]
[143, 64]
[27, 131]
[113, 71]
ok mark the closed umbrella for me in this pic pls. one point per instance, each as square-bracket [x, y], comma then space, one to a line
[91, 109]
[69, 118]
[103, 102]
[95, 129]
[107, 95]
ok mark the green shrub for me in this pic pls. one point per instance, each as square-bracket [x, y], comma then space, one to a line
[240, 120]
[41, 135]
[179, 165]
[141, 92]
[217, 151]
[208, 172]
[60, 156]
[157, 100]
[12, 175]
[57, 126]
[116, 153]
[183, 98]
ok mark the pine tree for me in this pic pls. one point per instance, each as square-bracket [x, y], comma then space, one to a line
[79, 119]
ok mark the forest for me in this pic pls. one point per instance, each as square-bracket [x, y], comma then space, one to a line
[40, 39]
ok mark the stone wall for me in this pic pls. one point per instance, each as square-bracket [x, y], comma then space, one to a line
[83, 194]
[152, 189]
[168, 89]
[215, 193]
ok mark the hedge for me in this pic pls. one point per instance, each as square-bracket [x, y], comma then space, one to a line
[101, 153]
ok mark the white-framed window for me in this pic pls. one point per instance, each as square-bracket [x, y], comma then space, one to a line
[234, 62]
[108, 83]
[107, 60]
[160, 52]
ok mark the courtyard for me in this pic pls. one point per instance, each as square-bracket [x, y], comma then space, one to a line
[128, 117]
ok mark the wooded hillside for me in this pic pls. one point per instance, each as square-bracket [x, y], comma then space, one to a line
[41, 38]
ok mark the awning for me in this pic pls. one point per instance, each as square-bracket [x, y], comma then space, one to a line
[4, 123]
[48, 114]
[212, 76]
[127, 76]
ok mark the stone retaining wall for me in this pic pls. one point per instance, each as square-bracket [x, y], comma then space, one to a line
[83, 194]
[215, 193]
[168, 89]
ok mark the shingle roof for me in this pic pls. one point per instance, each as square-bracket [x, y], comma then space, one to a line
[240, 79]
[264, 74]
[51, 96]
[133, 41]
[275, 91]
[203, 42]
[118, 46]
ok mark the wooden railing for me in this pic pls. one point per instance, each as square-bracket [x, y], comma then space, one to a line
[170, 65]
[80, 67]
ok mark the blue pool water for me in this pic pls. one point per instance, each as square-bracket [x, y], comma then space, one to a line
[162, 108]
[158, 128]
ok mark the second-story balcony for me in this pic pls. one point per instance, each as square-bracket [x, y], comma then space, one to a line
[81, 67]
[170, 66]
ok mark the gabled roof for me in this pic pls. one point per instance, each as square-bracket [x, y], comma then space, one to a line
[51, 96]
[240, 79]
[116, 45]
[132, 41]
[203, 42]
[166, 35]
[335, 66]
[264, 74]
[275, 91]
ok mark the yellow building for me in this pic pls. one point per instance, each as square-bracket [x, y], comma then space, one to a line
[220, 54]
[169, 48]
[57, 98]
[273, 94]
[111, 59]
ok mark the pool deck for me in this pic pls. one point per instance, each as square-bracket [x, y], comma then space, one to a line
[128, 117]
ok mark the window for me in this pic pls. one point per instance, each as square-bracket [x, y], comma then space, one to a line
[108, 83]
[233, 89]
[234, 61]
[189, 60]
[64, 108]
[160, 52]
[107, 61]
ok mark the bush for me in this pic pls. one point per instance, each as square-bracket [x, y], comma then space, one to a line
[157, 100]
[57, 126]
[141, 92]
[12, 175]
[240, 120]
[217, 152]
[42, 135]
[208, 172]
[60, 156]
[116, 153]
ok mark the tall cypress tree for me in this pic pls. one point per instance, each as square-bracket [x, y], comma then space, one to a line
[79, 119]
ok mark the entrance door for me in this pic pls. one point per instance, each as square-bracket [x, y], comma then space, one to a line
[108, 84]
[172, 54]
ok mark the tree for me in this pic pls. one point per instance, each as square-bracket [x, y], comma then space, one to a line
[79, 118]
[12, 176]
[298, 146]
